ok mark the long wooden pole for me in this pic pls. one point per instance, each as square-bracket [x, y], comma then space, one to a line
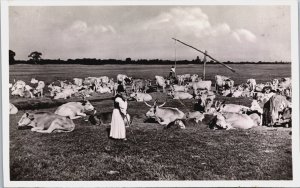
[205, 54]
[204, 64]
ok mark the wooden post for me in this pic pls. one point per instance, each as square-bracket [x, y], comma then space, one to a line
[204, 63]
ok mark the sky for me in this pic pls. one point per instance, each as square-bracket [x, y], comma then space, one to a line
[228, 33]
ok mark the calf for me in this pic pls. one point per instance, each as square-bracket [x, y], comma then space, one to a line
[45, 122]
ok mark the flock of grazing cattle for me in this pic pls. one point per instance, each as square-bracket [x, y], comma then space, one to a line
[271, 101]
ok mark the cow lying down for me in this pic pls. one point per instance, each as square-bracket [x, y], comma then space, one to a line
[45, 122]
[197, 116]
[165, 115]
[74, 110]
[233, 120]
[12, 109]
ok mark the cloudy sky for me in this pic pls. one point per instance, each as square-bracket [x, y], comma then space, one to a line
[228, 33]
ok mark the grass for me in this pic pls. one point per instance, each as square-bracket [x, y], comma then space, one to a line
[151, 152]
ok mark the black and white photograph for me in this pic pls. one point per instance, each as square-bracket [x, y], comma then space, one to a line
[170, 94]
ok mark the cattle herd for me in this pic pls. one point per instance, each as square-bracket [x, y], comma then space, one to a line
[271, 101]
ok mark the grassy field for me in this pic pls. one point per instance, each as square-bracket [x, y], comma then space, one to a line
[151, 152]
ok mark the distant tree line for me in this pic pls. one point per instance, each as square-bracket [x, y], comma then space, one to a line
[36, 58]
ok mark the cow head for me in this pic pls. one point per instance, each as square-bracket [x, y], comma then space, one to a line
[219, 105]
[256, 107]
[219, 121]
[152, 111]
[133, 95]
[87, 105]
[26, 120]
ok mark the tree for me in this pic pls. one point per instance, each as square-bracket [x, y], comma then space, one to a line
[35, 56]
[12, 55]
[128, 60]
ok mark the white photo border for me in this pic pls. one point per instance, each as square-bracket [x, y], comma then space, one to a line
[5, 4]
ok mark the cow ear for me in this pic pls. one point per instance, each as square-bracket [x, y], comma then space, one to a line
[27, 114]
[30, 116]
[84, 102]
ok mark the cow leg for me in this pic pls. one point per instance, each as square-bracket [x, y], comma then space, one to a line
[36, 129]
[75, 117]
[54, 126]
[81, 114]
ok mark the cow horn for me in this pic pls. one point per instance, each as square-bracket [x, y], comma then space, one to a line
[147, 104]
[162, 104]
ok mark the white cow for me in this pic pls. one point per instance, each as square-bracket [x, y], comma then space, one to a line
[165, 115]
[103, 89]
[232, 108]
[180, 95]
[140, 97]
[233, 120]
[194, 77]
[179, 88]
[39, 90]
[74, 110]
[12, 109]
[78, 81]
[201, 85]
[34, 81]
[64, 94]
[20, 84]
[160, 81]
[195, 115]
[223, 81]
[252, 84]
[121, 78]
[45, 122]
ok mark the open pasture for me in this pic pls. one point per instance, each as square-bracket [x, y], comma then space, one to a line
[151, 152]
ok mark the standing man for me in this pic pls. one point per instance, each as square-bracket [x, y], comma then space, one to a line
[172, 72]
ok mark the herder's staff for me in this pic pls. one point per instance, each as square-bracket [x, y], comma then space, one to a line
[129, 125]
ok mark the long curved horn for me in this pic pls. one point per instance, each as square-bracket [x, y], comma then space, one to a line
[147, 104]
[162, 104]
